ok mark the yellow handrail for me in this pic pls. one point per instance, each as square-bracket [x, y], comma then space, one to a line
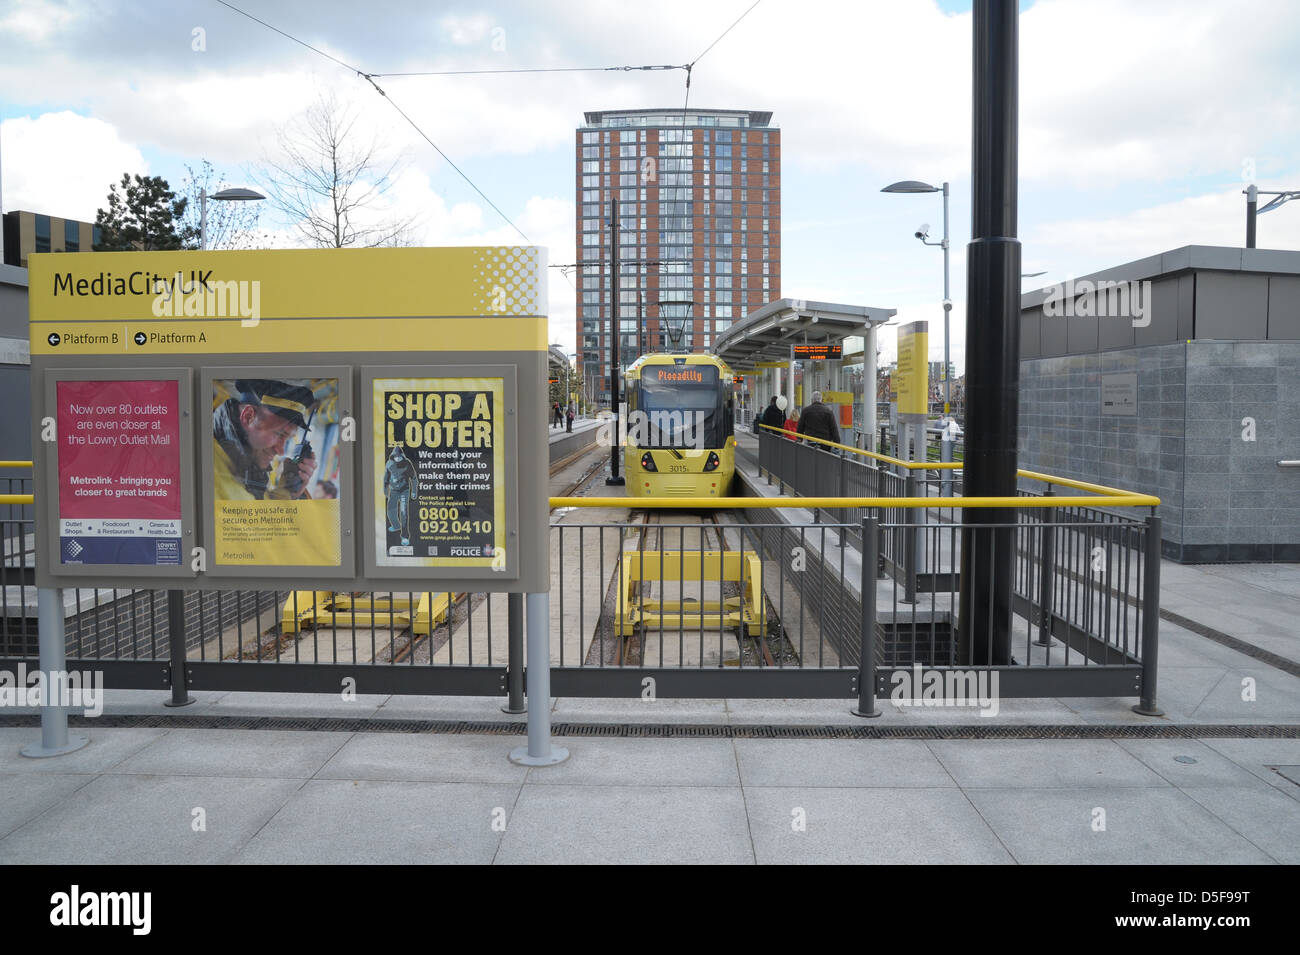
[15, 464]
[910, 465]
[1102, 489]
[743, 503]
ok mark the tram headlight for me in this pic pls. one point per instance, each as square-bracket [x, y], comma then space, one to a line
[648, 462]
[712, 462]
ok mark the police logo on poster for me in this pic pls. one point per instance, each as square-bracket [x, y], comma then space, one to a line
[440, 464]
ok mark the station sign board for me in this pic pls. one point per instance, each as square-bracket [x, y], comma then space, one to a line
[820, 352]
[254, 419]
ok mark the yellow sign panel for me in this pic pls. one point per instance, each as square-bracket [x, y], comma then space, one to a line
[439, 463]
[276, 476]
[912, 377]
[286, 283]
[837, 397]
[771, 364]
[227, 337]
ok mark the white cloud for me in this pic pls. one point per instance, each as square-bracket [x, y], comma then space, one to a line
[62, 164]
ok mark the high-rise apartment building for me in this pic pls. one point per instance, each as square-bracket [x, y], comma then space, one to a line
[699, 206]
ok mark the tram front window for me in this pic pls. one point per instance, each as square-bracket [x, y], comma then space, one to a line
[680, 408]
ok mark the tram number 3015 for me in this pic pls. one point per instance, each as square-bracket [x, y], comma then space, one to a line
[677, 468]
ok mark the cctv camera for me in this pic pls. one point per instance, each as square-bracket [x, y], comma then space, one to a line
[924, 231]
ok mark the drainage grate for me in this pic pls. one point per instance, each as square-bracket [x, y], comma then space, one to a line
[682, 730]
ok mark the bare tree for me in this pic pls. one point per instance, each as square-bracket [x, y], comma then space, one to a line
[330, 182]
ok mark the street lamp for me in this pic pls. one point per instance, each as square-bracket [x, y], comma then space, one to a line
[226, 195]
[1252, 195]
[923, 233]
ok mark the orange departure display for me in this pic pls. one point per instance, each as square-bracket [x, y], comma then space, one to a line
[819, 352]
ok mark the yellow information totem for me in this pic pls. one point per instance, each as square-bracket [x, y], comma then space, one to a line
[913, 375]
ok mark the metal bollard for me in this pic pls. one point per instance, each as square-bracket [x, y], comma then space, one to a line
[55, 740]
[909, 541]
[1046, 573]
[866, 707]
[1146, 705]
[176, 649]
[515, 654]
[539, 751]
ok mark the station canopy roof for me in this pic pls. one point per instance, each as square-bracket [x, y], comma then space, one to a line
[768, 333]
[556, 357]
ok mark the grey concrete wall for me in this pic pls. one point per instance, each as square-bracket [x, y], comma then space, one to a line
[1223, 498]
[15, 367]
[1239, 505]
[1062, 429]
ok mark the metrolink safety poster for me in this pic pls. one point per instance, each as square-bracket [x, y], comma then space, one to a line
[119, 472]
[276, 478]
[439, 471]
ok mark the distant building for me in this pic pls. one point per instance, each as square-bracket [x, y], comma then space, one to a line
[28, 232]
[700, 204]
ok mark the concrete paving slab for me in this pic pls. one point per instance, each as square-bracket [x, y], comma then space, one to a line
[1167, 757]
[805, 712]
[470, 708]
[871, 764]
[280, 754]
[642, 762]
[107, 748]
[655, 825]
[27, 795]
[342, 822]
[242, 703]
[1257, 755]
[431, 757]
[1276, 698]
[869, 827]
[1014, 712]
[1265, 816]
[137, 820]
[1143, 826]
[1042, 764]
[575, 710]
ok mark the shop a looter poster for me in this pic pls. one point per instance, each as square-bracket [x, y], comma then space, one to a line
[276, 477]
[119, 472]
[439, 472]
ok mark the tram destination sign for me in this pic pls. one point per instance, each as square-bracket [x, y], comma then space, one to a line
[819, 352]
[337, 419]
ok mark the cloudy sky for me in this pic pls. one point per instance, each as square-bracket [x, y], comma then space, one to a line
[1140, 122]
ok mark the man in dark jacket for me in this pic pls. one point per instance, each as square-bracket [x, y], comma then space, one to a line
[817, 421]
[773, 416]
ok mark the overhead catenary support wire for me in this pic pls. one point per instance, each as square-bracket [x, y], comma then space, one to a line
[691, 65]
[551, 69]
[369, 78]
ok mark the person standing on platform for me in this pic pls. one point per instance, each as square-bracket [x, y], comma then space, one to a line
[556, 418]
[792, 423]
[773, 417]
[818, 421]
[568, 418]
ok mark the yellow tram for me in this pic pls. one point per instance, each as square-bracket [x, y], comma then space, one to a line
[680, 427]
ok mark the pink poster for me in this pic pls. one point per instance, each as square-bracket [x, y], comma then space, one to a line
[119, 472]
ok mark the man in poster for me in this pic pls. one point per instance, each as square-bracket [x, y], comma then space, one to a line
[250, 432]
[399, 487]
